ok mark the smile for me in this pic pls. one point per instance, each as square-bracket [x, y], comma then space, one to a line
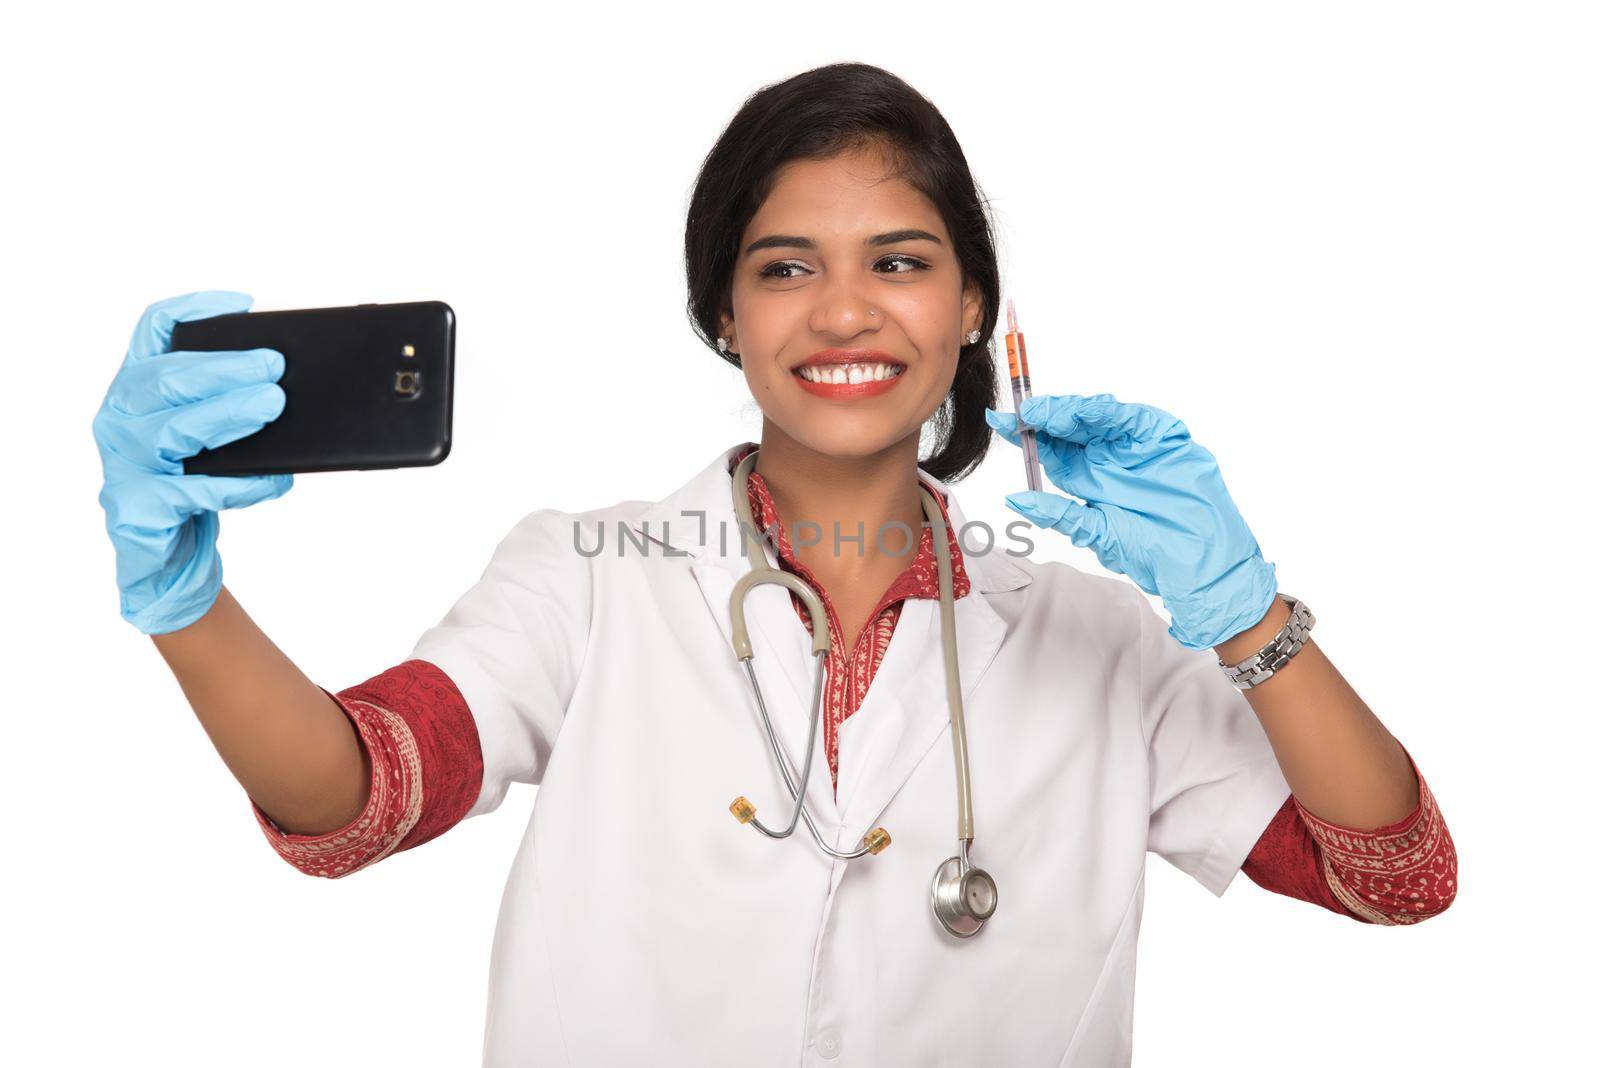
[848, 380]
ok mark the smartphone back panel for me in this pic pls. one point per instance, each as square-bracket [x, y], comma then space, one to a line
[365, 387]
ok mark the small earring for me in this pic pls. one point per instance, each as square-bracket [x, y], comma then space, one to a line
[973, 336]
[722, 344]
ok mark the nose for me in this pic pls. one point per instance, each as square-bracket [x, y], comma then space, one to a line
[842, 308]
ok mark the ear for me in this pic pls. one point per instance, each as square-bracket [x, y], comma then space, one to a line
[972, 310]
[725, 329]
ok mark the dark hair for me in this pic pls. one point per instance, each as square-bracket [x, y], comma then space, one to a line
[817, 115]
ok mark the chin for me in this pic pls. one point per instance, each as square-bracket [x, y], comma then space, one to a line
[851, 438]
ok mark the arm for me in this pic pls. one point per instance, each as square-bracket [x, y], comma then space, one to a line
[1361, 833]
[1339, 760]
[288, 743]
[1397, 874]
[427, 770]
[1360, 829]
[284, 739]
[1155, 508]
[477, 705]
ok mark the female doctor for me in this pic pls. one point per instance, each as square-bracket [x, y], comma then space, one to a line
[988, 746]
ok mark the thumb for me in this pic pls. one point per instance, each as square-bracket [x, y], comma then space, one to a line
[1085, 525]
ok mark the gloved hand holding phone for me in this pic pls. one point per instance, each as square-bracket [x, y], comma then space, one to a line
[163, 406]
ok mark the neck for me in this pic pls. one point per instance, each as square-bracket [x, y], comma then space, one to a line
[851, 495]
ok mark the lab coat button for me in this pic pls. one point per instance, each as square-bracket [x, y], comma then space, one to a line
[828, 1045]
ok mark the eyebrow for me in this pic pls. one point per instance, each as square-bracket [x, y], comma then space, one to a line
[795, 241]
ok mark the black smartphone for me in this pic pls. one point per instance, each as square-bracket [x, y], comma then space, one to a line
[365, 387]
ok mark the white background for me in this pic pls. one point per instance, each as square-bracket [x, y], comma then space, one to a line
[1353, 246]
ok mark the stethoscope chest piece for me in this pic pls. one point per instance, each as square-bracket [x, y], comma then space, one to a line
[963, 897]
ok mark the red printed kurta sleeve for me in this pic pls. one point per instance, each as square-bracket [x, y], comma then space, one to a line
[426, 771]
[1400, 874]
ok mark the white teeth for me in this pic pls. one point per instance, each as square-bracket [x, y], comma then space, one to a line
[850, 374]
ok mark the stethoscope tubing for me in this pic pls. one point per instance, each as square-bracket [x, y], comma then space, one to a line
[785, 766]
[963, 896]
[820, 644]
[952, 680]
[763, 573]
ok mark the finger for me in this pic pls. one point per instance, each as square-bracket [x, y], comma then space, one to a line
[153, 334]
[149, 507]
[1099, 418]
[157, 442]
[171, 379]
[1059, 459]
[1004, 424]
[1059, 415]
[217, 492]
[1085, 524]
[215, 421]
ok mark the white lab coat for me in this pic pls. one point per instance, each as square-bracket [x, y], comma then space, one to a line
[643, 925]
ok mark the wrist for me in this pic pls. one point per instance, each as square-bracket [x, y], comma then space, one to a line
[1250, 640]
[1223, 610]
[191, 594]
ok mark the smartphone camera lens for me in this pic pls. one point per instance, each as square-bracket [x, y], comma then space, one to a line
[408, 383]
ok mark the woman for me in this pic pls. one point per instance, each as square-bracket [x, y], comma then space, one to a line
[834, 225]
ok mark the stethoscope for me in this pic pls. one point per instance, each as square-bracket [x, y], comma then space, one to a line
[963, 896]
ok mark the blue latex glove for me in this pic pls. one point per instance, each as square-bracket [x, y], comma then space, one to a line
[1154, 508]
[161, 407]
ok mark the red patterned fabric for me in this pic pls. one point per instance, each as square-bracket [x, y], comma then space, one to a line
[426, 771]
[1399, 874]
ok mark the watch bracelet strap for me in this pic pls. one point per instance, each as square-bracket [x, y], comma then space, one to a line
[1258, 668]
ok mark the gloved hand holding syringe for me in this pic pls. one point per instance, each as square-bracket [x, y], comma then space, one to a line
[1144, 496]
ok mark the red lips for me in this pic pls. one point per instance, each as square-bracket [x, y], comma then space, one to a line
[823, 356]
[847, 390]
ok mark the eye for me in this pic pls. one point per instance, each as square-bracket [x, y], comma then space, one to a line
[769, 271]
[916, 264]
[912, 264]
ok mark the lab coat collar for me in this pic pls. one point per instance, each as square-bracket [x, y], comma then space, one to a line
[676, 521]
[906, 708]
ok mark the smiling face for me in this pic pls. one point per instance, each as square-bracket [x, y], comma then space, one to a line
[851, 273]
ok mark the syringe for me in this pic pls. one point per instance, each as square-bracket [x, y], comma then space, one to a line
[1021, 390]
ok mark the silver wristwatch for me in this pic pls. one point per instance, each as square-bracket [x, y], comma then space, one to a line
[1255, 670]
